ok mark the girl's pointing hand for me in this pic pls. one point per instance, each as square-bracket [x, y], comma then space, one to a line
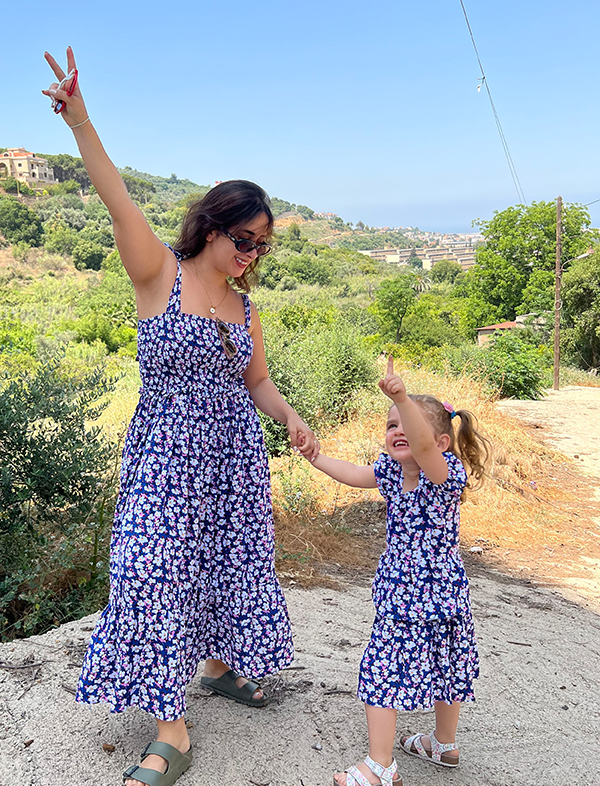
[391, 384]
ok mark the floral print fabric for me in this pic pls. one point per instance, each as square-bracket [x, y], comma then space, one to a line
[422, 646]
[421, 573]
[410, 665]
[192, 550]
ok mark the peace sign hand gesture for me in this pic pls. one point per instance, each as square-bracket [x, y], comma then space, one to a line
[67, 91]
[392, 385]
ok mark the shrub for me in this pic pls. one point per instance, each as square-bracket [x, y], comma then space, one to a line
[60, 239]
[55, 497]
[19, 223]
[87, 254]
[318, 362]
[13, 186]
[21, 251]
[511, 366]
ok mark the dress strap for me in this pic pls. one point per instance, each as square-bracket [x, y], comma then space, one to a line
[247, 311]
[174, 304]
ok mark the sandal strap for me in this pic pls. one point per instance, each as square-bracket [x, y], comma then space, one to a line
[149, 777]
[385, 774]
[438, 748]
[168, 752]
[416, 741]
[356, 778]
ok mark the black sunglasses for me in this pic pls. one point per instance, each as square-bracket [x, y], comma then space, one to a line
[245, 246]
[224, 334]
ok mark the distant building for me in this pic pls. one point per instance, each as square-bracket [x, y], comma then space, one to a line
[428, 256]
[26, 167]
[484, 333]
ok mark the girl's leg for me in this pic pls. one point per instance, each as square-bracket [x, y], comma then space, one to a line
[381, 723]
[446, 723]
[216, 668]
[173, 732]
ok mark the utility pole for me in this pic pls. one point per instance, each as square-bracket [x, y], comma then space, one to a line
[557, 301]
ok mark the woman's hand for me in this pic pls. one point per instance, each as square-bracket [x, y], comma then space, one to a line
[74, 111]
[392, 385]
[302, 437]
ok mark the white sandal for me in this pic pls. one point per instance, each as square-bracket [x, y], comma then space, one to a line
[385, 775]
[437, 754]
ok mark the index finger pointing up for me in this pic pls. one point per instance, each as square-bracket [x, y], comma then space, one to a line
[390, 365]
[58, 72]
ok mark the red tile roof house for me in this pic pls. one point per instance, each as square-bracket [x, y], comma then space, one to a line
[484, 333]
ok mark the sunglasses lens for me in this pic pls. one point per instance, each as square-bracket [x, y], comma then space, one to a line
[245, 246]
[262, 250]
[230, 347]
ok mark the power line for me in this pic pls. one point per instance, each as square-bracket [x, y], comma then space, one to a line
[483, 81]
[591, 203]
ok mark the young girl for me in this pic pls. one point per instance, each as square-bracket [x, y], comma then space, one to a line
[422, 651]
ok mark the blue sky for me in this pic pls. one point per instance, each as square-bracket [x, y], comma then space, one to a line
[368, 110]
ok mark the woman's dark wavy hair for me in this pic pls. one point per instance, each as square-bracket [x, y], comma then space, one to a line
[229, 205]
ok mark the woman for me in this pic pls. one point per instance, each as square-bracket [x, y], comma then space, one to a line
[192, 551]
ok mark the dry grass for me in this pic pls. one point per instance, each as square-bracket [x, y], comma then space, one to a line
[527, 513]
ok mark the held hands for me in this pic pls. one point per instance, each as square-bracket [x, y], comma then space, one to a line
[392, 385]
[74, 111]
[302, 438]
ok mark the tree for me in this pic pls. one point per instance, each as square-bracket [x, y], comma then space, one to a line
[69, 168]
[305, 212]
[431, 322]
[392, 301]
[446, 270]
[422, 282]
[581, 312]
[19, 223]
[140, 190]
[414, 260]
[519, 241]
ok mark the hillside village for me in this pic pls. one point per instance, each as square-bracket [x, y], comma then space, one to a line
[35, 173]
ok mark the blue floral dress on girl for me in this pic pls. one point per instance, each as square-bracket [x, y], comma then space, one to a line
[422, 646]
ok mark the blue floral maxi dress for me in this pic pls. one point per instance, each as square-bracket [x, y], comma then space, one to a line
[192, 553]
[422, 646]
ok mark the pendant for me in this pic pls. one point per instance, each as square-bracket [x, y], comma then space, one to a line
[212, 310]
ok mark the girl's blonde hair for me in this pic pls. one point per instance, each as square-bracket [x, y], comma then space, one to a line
[471, 447]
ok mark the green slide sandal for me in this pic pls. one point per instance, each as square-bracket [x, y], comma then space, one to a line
[177, 764]
[225, 686]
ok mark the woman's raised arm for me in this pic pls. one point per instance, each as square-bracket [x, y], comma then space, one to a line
[143, 254]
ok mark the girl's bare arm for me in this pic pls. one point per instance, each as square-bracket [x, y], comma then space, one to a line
[346, 472]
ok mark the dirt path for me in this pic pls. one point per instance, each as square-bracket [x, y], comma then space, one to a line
[537, 704]
[568, 419]
[538, 699]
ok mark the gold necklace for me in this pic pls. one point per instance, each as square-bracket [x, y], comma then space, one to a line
[212, 308]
